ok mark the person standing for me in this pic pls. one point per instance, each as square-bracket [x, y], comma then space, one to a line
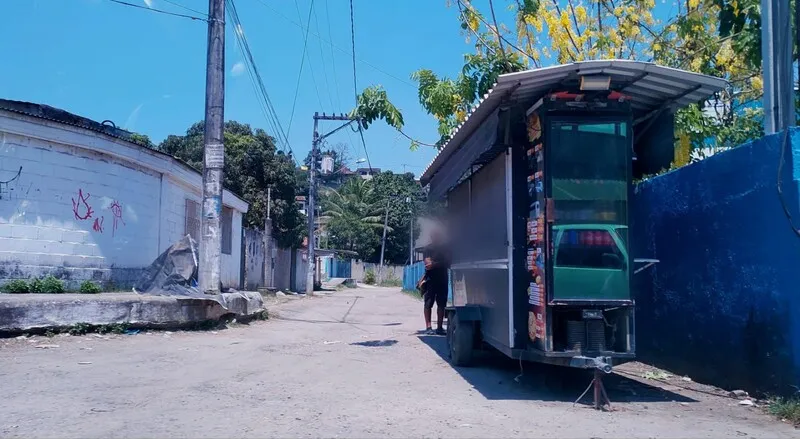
[437, 266]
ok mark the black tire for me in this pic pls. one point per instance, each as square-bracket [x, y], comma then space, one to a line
[461, 341]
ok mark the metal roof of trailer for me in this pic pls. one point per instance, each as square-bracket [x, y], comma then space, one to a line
[649, 87]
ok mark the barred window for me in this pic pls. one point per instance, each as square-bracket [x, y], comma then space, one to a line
[227, 230]
[192, 220]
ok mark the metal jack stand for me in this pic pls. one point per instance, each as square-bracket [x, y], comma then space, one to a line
[600, 395]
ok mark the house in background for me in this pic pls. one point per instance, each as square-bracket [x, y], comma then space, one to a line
[368, 173]
[82, 201]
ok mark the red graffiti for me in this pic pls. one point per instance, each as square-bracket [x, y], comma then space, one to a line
[116, 210]
[81, 207]
[98, 224]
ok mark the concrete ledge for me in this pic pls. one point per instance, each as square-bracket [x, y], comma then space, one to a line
[26, 312]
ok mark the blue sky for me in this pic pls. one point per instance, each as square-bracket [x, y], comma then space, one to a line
[145, 71]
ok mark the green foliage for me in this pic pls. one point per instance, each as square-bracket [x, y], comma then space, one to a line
[352, 217]
[36, 286]
[406, 202]
[788, 409]
[80, 329]
[89, 287]
[142, 139]
[84, 328]
[392, 281]
[252, 164]
[51, 285]
[373, 104]
[369, 277]
[16, 286]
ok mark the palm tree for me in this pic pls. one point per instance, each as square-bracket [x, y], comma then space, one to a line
[353, 216]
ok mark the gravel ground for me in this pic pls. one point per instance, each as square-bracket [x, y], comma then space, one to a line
[349, 364]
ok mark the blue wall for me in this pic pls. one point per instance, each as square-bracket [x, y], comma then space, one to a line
[723, 304]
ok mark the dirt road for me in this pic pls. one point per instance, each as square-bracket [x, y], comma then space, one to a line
[346, 365]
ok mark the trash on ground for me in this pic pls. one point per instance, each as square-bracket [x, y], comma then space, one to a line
[747, 402]
[131, 332]
[687, 379]
[739, 394]
[83, 363]
[331, 342]
[658, 375]
[48, 346]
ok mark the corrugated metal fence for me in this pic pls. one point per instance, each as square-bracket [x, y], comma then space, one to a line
[341, 268]
[412, 273]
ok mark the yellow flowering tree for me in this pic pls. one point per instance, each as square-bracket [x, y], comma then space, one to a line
[714, 37]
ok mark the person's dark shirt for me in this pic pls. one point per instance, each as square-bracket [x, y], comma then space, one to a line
[440, 259]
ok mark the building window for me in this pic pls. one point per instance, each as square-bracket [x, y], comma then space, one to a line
[192, 220]
[227, 230]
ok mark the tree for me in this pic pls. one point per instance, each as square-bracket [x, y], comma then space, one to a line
[252, 164]
[352, 216]
[142, 139]
[406, 201]
[714, 37]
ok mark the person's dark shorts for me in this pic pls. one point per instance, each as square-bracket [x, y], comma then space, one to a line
[435, 294]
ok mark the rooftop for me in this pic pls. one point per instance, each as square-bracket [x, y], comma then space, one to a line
[650, 88]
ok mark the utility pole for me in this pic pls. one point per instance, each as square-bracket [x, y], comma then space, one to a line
[383, 240]
[269, 201]
[213, 152]
[410, 232]
[268, 241]
[312, 190]
[776, 49]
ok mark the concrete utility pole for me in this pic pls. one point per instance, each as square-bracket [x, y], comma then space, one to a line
[312, 191]
[268, 242]
[410, 232]
[776, 49]
[383, 240]
[213, 152]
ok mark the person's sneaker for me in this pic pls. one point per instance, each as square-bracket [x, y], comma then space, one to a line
[430, 331]
[440, 331]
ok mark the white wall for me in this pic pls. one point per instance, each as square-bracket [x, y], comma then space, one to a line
[88, 206]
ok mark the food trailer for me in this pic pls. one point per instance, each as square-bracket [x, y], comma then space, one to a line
[537, 183]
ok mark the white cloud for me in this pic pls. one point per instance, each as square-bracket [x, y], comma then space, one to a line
[148, 3]
[237, 69]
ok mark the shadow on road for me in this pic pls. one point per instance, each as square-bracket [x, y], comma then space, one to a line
[498, 377]
[375, 343]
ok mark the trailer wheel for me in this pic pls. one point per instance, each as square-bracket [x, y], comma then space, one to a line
[461, 340]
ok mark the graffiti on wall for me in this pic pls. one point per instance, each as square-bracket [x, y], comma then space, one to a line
[116, 210]
[80, 207]
[82, 210]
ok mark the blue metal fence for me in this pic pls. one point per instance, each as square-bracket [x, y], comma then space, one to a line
[341, 268]
[412, 273]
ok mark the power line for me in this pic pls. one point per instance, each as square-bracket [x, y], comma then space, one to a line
[355, 81]
[174, 3]
[333, 63]
[258, 83]
[333, 57]
[322, 58]
[302, 61]
[315, 35]
[310, 66]
[160, 11]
